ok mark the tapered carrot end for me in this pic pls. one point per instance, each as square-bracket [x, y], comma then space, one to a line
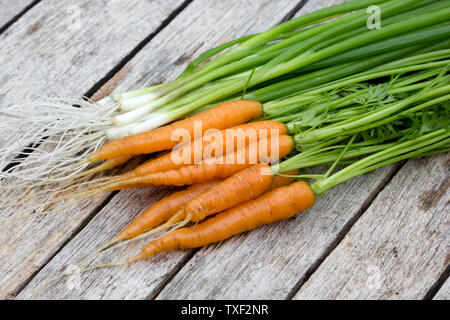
[121, 236]
[135, 258]
[83, 161]
[132, 230]
[111, 242]
[97, 156]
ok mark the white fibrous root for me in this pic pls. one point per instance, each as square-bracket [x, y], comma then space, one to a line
[48, 142]
[52, 137]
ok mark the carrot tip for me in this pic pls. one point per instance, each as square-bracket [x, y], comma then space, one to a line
[134, 259]
[110, 243]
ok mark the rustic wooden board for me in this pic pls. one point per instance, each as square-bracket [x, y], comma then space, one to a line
[44, 53]
[11, 8]
[444, 291]
[399, 247]
[164, 57]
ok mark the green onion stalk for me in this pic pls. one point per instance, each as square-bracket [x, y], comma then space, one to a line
[356, 158]
[230, 88]
[417, 134]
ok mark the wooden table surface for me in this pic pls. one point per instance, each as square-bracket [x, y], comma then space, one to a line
[383, 235]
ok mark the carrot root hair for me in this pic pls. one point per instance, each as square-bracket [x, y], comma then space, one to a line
[31, 196]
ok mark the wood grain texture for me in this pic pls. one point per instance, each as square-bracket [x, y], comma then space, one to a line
[134, 281]
[311, 6]
[444, 292]
[164, 57]
[43, 52]
[399, 247]
[10, 8]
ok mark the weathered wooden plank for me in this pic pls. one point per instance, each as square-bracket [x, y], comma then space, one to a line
[444, 292]
[267, 263]
[311, 6]
[50, 50]
[127, 282]
[11, 8]
[200, 26]
[399, 247]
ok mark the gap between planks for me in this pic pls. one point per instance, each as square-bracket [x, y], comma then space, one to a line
[15, 15]
[89, 94]
[345, 230]
[444, 291]
[135, 51]
[438, 285]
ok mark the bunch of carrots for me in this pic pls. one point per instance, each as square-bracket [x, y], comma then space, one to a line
[296, 56]
[299, 95]
[403, 117]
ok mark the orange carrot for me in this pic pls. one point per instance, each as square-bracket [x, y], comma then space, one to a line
[162, 210]
[243, 186]
[223, 116]
[166, 208]
[281, 203]
[210, 169]
[166, 162]
[220, 168]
